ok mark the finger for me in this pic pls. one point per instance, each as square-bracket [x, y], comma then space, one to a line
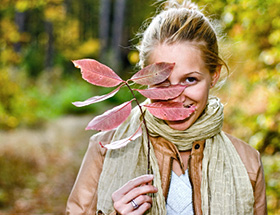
[139, 191]
[142, 199]
[142, 209]
[125, 207]
[129, 207]
[143, 179]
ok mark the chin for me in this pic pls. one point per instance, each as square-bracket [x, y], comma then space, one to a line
[179, 125]
[182, 125]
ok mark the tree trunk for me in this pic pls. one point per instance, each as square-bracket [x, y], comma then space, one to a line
[20, 23]
[104, 28]
[49, 46]
[118, 22]
[67, 5]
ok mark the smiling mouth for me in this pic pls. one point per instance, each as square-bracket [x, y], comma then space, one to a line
[188, 106]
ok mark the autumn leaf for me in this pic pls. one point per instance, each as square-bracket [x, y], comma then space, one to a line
[163, 93]
[123, 142]
[97, 73]
[111, 118]
[171, 111]
[153, 74]
[96, 99]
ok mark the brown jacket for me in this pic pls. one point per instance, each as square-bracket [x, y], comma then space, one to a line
[83, 198]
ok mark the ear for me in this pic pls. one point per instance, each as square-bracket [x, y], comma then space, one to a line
[215, 76]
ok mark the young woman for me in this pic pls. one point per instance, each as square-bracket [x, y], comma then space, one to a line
[197, 168]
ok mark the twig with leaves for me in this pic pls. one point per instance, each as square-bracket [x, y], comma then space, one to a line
[99, 74]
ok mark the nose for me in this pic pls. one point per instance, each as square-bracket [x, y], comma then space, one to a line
[180, 98]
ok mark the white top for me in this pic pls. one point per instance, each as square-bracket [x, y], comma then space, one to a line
[179, 199]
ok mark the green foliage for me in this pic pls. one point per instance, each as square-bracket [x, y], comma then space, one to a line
[27, 102]
[272, 174]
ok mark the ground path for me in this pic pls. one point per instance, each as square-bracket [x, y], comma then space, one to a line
[39, 165]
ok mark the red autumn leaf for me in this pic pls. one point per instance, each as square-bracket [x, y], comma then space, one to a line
[121, 143]
[171, 111]
[153, 74]
[111, 118]
[163, 93]
[96, 99]
[97, 73]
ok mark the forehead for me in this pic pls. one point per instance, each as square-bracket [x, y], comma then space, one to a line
[183, 54]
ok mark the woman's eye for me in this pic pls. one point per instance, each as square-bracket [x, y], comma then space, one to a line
[190, 80]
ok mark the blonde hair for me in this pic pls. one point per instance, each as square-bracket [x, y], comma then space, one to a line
[180, 22]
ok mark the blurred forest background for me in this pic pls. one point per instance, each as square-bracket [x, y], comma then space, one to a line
[42, 137]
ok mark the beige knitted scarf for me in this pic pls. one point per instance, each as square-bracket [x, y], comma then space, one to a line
[225, 186]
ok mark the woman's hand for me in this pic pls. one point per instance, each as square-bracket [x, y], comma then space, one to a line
[132, 198]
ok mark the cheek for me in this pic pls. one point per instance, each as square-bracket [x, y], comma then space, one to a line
[198, 94]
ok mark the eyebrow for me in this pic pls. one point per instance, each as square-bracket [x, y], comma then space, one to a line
[193, 72]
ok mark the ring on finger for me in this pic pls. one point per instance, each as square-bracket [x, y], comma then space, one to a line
[134, 204]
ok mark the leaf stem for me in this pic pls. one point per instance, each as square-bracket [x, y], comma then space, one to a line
[146, 128]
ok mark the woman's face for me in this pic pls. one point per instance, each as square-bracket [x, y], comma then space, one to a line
[189, 69]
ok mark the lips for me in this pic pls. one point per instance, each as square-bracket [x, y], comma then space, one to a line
[192, 108]
[188, 106]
